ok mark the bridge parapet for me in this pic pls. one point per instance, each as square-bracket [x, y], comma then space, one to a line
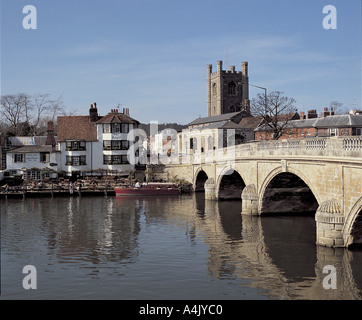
[341, 147]
[345, 148]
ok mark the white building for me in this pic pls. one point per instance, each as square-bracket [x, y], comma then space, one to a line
[33, 156]
[91, 144]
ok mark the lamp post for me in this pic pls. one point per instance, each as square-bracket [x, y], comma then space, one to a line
[265, 96]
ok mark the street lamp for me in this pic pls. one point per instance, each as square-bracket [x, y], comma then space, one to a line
[265, 96]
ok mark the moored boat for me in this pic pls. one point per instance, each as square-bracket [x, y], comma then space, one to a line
[151, 189]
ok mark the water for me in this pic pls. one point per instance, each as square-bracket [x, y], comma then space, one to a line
[178, 247]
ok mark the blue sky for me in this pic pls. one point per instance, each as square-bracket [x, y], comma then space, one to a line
[151, 56]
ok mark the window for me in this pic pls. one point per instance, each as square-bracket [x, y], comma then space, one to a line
[44, 157]
[75, 145]
[214, 89]
[124, 144]
[125, 128]
[124, 159]
[75, 160]
[210, 143]
[333, 132]
[107, 145]
[115, 145]
[115, 159]
[116, 128]
[358, 131]
[106, 128]
[232, 109]
[19, 157]
[232, 88]
[33, 174]
[107, 159]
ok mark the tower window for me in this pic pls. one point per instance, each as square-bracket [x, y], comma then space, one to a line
[214, 89]
[232, 88]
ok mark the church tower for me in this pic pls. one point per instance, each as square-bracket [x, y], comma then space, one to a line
[227, 91]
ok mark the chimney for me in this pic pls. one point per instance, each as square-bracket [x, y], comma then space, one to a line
[325, 113]
[50, 141]
[93, 113]
[312, 114]
[302, 116]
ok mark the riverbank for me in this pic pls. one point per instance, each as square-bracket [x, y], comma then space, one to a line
[19, 194]
[64, 190]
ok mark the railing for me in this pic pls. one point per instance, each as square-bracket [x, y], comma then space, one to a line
[352, 143]
[341, 148]
[333, 147]
[316, 144]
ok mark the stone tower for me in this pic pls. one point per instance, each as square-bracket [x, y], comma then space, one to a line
[227, 91]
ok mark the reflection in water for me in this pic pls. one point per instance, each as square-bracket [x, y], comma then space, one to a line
[166, 248]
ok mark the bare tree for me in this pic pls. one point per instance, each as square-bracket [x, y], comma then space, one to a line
[338, 108]
[277, 111]
[25, 114]
[15, 108]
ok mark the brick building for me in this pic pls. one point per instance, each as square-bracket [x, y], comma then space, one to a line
[310, 125]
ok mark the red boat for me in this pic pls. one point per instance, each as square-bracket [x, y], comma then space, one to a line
[151, 189]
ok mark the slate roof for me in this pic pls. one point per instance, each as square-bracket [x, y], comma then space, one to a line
[340, 121]
[222, 117]
[251, 122]
[19, 141]
[335, 121]
[32, 149]
[226, 124]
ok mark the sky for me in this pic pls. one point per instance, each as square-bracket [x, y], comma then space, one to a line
[151, 55]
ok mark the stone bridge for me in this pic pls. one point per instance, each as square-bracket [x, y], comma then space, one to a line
[319, 175]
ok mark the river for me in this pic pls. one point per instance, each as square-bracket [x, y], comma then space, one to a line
[171, 247]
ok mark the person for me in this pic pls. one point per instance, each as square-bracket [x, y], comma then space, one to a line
[137, 184]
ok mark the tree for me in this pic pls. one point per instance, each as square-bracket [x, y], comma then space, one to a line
[15, 108]
[337, 107]
[276, 110]
[28, 115]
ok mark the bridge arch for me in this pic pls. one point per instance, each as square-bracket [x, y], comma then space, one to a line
[287, 183]
[230, 184]
[352, 230]
[200, 178]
